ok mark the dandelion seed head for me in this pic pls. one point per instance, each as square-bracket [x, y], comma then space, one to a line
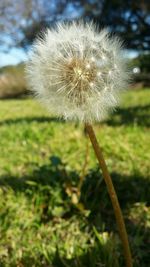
[77, 71]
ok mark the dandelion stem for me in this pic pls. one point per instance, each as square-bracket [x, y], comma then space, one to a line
[112, 194]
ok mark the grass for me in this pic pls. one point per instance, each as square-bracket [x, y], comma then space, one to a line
[43, 223]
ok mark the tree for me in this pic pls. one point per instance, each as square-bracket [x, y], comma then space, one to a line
[130, 19]
[143, 62]
[23, 19]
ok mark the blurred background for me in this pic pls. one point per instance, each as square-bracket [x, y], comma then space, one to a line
[21, 21]
[54, 207]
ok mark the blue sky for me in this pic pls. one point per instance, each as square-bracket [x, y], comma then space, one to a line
[13, 57]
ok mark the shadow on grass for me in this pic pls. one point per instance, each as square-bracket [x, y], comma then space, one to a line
[48, 184]
[31, 120]
[138, 115]
[104, 254]
[130, 189]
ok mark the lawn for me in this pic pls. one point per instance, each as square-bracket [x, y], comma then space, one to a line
[44, 220]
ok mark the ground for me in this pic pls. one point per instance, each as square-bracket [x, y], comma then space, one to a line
[44, 220]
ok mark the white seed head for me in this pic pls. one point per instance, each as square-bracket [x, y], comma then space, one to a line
[77, 71]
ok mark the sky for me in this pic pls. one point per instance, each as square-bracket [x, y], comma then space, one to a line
[12, 57]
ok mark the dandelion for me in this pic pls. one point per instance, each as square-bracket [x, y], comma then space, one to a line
[79, 73]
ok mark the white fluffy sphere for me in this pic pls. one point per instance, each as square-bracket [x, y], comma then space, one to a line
[77, 71]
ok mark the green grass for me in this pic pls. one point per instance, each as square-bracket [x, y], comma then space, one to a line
[41, 159]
